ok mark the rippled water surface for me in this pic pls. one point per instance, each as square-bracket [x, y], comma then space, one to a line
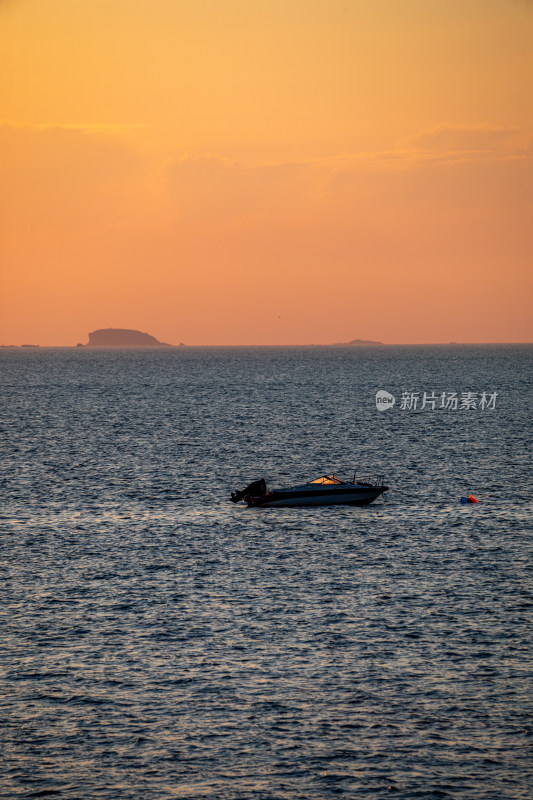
[160, 642]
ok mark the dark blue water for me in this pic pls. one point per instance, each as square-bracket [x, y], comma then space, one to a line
[160, 642]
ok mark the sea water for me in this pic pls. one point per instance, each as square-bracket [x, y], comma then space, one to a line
[159, 641]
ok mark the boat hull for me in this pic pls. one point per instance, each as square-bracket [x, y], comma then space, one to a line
[334, 497]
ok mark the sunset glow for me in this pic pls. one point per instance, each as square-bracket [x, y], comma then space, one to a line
[266, 172]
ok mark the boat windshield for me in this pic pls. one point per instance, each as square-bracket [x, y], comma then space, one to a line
[327, 479]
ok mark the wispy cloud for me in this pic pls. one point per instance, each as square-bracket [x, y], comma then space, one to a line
[441, 144]
[66, 174]
[86, 127]
[466, 142]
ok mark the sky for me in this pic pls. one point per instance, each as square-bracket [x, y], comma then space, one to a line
[232, 172]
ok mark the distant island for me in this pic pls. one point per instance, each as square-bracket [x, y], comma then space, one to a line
[360, 342]
[122, 337]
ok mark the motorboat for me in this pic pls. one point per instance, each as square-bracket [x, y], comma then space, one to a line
[327, 490]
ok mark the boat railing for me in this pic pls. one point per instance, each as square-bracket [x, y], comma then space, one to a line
[376, 481]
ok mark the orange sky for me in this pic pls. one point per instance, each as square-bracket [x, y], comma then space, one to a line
[266, 171]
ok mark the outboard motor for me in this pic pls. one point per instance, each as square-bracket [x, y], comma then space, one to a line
[254, 489]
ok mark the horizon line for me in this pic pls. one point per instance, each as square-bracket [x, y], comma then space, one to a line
[310, 344]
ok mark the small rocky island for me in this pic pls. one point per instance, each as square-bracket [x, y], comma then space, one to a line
[122, 337]
[359, 342]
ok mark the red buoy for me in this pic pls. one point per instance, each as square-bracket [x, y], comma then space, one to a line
[472, 499]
